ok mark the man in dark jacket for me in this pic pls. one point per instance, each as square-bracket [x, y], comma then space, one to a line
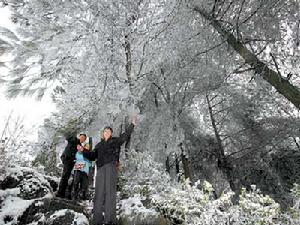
[106, 154]
[68, 160]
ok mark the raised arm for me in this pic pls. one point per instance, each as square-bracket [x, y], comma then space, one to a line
[123, 137]
[90, 155]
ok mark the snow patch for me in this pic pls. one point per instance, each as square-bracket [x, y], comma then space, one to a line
[59, 213]
[13, 207]
[9, 192]
[134, 206]
[79, 218]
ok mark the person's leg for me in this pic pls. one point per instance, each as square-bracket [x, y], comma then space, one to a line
[110, 193]
[70, 187]
[67, 169]
[99, 197]
[76, 183]
[85, 185]
[81, 188]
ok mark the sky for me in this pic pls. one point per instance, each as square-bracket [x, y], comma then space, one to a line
[31, 111]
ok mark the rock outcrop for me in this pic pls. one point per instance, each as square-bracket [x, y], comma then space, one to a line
[26, 197]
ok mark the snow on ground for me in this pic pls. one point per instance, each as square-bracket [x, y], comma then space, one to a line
[11, 208]
[79, 218]
[134, 206]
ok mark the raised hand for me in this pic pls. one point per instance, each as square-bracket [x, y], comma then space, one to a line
[134, 120]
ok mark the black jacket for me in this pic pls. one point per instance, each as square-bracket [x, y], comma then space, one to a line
[70, 150]
[108, 151]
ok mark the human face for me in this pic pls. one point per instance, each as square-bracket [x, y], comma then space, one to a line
[82, 138]
[107, 134]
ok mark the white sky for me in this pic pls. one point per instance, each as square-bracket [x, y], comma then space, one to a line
[33, 112]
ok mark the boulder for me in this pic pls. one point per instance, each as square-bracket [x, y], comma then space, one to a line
[26, 198]
[31, 184]
[54, 211]
[53, 181]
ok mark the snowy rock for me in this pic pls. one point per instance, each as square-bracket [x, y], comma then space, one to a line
[67, 216]
[11, 208]
[53, 181]
[26, 198]
[31, 184]
[54, 211]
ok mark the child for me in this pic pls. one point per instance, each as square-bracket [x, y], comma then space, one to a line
[81, 171]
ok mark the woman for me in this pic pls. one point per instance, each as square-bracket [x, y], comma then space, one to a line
[106, 154]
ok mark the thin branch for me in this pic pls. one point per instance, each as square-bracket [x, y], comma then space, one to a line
[238, 18]
[276, 65]
[220, 102]
[226, 10]
[161, 91]
[221, 110]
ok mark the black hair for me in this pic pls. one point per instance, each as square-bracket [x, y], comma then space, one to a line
[82, 135]
[108, 128]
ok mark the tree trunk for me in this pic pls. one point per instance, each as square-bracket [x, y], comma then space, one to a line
[284, 87]
[52, 158]
[2, 157]
[128, 64]
[168, 169]
[223, 163]
[177, 167]
[127, 143]
[185, 164]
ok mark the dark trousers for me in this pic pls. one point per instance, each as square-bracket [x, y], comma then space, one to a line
[80, 185]
[105, 194]
[68, 167]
